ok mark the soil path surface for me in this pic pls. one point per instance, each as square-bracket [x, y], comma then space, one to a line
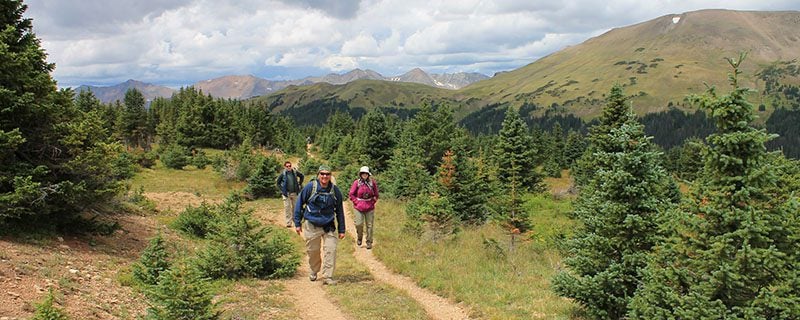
[315, 304]
[311, 302]
[436, 306]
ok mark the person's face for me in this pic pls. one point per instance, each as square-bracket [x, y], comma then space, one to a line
[364, 175]
[288, 166]
[324, 176]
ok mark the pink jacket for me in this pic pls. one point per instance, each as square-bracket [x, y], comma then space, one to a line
[364, 194]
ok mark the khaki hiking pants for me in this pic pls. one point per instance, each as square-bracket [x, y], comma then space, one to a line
[359, 219]
[315, 238]
[288, 207]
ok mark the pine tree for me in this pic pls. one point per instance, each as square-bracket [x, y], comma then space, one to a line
[262, 182]
[53, 158]
[558, 145]
[574, 148]
[431, 131]
[239, 246]
[375, 139]
[153, 262]
[513, 154]
[133, 119]
[614, 115]
[459, 180]
[733, 252]
[407, 169]
[690, 162]
[619, 208]
[182, 293]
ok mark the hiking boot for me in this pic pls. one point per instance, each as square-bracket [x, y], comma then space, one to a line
[312, 277]
[369, 245]
[329, 281]
[358, 242]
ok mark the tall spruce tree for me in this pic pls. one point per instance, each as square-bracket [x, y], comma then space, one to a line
[467, 191]
[432, 130]
[619, 208]
[133, 119]
[513, 155]
[53, 157]
[733, 253]
[573, 148]
[375, 139]
[407, 169]
[614, 114]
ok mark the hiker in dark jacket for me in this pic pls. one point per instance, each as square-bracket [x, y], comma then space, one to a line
[289, 182]
[364, 195]
[318, 215]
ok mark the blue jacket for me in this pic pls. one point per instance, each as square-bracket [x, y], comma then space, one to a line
[321, 210]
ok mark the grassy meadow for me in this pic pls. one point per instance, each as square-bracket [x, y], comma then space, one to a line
[357, 294]
[477, 266]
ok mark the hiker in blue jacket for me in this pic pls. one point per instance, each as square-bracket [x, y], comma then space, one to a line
[318, 215]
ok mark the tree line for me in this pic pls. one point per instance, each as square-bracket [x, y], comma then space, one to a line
[726, 248]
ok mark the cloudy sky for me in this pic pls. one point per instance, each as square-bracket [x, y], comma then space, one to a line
[179, 42]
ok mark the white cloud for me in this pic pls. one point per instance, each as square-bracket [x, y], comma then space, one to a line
[363, 45]
[338, 63]
[189, 40]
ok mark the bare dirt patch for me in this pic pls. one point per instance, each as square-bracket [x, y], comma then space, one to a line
[174, 201]
[82, 271]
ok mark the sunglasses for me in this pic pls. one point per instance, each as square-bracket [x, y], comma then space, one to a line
[324, 173]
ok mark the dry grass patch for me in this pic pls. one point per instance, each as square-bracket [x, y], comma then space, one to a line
[361, 297]
[251, 299]
[477, 267]
[204, 183]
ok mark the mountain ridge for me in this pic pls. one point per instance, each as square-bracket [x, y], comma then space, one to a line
[248, 86]
[658, 62]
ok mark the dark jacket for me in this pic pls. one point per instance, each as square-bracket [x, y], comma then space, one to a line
[322, 209]
[281, 182]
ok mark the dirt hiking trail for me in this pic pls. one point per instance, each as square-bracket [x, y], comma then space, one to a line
[315, 302]
[311, 301]
[436, 306]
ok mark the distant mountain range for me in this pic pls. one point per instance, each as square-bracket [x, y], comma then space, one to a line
[658, 62]
[247, 86]
[117, 92]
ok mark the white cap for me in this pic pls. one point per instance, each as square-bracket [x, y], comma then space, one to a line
[364, 169]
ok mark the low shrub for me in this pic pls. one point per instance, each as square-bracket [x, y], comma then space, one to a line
[195, 221]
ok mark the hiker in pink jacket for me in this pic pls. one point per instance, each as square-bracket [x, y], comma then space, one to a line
[364, 195]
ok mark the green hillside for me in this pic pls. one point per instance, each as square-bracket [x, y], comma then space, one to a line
[365, 94]
[658, 62]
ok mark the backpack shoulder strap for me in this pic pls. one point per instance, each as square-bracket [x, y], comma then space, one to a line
[313, 190]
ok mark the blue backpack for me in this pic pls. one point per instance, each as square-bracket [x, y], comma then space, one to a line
[320, 206]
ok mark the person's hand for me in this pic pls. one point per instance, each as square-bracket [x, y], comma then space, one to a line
[341, 236]
[299, 229]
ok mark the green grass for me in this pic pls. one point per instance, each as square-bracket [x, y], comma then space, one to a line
[357, 293]
[204, 183]
[254, 299]
[361, 297]
[477, 267]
